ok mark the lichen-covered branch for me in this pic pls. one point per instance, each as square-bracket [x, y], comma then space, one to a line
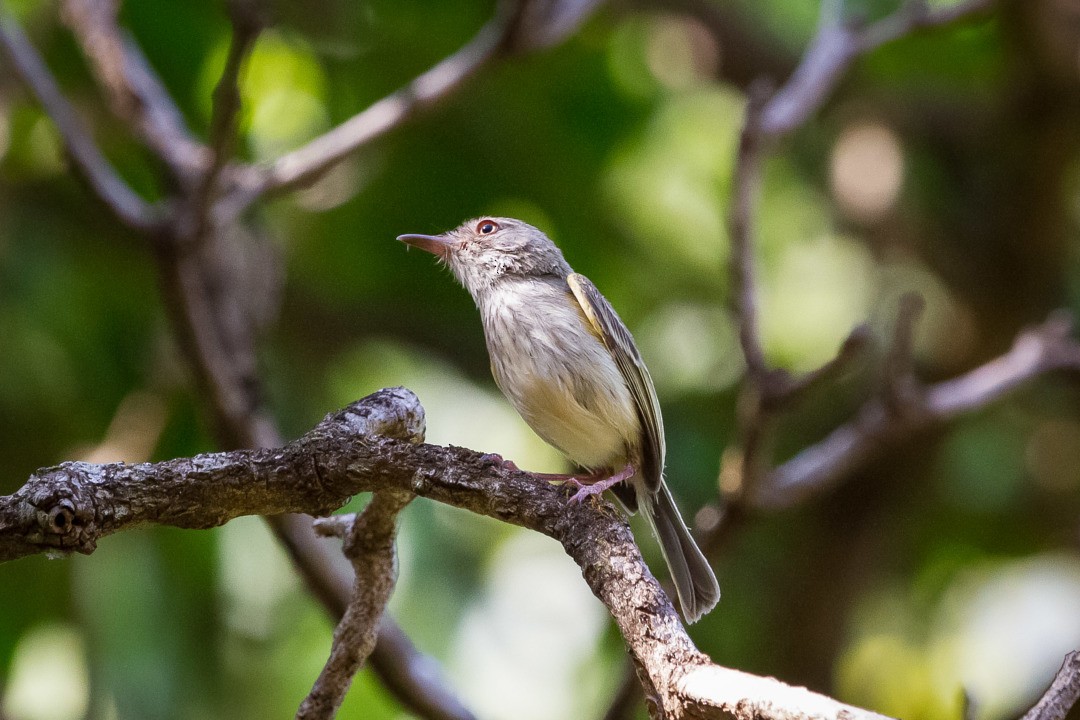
[71, 506]
[372, 445]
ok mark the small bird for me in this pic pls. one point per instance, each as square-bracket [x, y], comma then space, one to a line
[569, 366]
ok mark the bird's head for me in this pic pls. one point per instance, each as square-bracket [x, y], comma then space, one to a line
[483, 251]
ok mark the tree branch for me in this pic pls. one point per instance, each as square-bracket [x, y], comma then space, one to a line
[128, 207]
[1037, 351]
[1062, 693]
[372, 446]
[247, 22]
[369, 545]
[746, 180]
[413, 677]
[71, 506]
[309, 162]
[901, 392]
[767, 389]
[837, 44]
[135, 92]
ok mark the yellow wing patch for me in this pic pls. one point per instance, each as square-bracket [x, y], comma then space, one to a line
[606, 325]
[581, 294]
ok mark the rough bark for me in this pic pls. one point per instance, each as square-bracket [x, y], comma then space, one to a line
[374, 445]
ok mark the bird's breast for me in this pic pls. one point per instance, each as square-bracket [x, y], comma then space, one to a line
[557, 374]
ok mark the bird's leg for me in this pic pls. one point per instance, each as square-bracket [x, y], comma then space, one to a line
[595, 484]
[497, 459]
[591, 484]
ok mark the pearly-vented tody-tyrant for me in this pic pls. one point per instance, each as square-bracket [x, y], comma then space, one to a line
[567, 363]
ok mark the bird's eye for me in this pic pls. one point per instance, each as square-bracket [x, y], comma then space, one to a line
[486, 227]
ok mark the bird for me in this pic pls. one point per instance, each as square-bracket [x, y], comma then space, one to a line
[569, 366]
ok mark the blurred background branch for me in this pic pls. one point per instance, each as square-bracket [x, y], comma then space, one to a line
[517, 25]
[838, 43]
[128, 207]
[902, 414]
[903, 410]
[132, 88]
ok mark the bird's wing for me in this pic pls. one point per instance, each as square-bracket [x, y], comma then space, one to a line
[617, 339]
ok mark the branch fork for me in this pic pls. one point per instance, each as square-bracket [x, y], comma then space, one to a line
[374, 445]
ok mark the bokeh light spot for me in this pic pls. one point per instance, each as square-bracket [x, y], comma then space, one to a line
[681, 52]
[818, 291]
[866, 171]
[49, 679]
[536, 668]
[691, 348]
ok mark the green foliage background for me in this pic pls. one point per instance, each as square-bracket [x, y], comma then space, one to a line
[950, 564]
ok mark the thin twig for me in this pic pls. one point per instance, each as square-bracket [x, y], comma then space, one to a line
[917, 15]
[1062, 693]
[247, 23]
[1036, 352]
[128, 207]
[135, 92]
[746, 180]
[369, 545]
[901, 391]
[837, 44]
[309, 162]
[852, 347]
[413, 677]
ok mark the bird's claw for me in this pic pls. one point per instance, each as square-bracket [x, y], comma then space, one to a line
[597, 484]
[583, 490]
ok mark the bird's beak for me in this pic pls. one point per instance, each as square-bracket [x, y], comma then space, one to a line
[438, 245]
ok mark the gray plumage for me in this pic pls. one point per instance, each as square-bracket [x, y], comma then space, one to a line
[569, 366]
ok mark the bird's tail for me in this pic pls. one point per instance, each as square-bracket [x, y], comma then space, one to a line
[694, 580]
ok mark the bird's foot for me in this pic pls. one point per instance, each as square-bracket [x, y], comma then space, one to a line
[586, 485]
[597, 483]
